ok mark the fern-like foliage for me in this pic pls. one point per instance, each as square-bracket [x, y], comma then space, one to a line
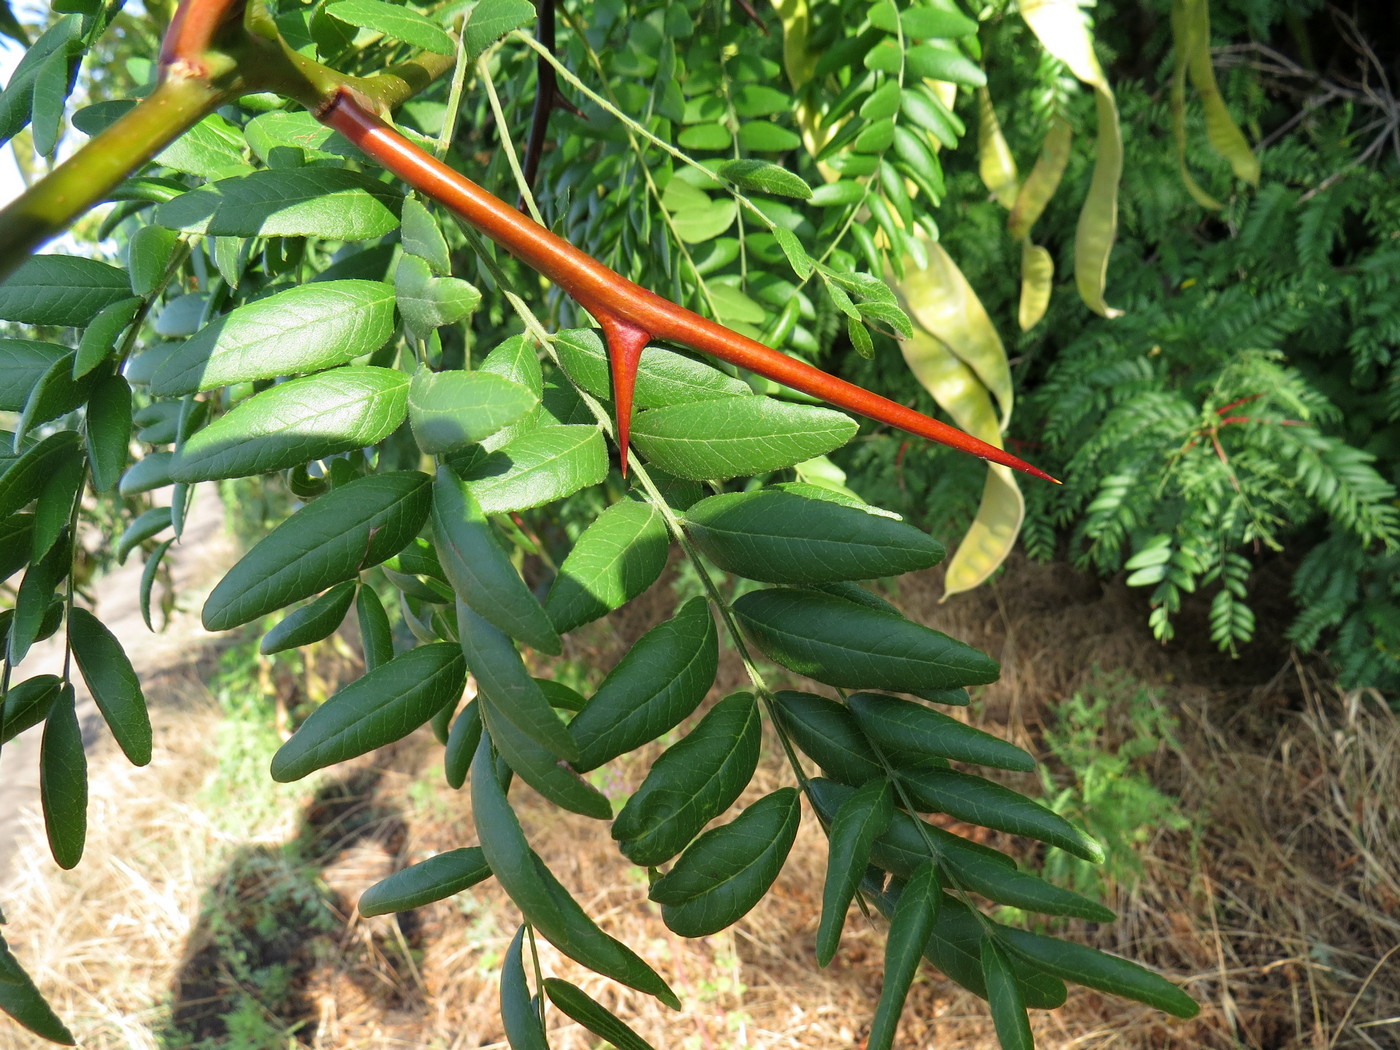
[1249, 398]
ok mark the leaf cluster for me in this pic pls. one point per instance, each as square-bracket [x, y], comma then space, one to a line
[278, 311]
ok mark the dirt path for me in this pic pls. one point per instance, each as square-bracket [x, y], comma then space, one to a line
[197, 561]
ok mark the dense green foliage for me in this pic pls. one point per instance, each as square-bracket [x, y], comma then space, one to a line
[1246, 405]
[261, 302]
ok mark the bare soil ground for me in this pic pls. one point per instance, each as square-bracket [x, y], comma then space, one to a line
[1279, 909]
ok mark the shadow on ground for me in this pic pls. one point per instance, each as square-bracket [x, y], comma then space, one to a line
[272, 921]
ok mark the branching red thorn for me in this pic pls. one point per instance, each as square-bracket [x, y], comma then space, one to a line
[630, 315]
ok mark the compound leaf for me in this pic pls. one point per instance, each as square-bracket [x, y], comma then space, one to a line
[434, 879]
[479, 569]
[695, 780]
[354, 526]
[844, 644]
[618, 556]
[295, 422]
[727, 870]
[860, 820]
[302, 329]
[311, 622]
[545, 903]
[737, 436]
[781, 537]
[384, 705]
[657, 684]
[113, 683]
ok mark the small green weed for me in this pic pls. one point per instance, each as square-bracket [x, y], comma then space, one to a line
[1107, 734]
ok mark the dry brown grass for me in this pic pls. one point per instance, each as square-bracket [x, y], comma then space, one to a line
[1282, 915]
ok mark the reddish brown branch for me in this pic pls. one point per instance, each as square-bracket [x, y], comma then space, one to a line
[630, 315]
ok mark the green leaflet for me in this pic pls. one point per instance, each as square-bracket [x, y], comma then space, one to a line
[660, 681]
[311, 622]
[146, 525]
[354, 526]
[108, 432]
[695, 780]
[727, 870]
[828, 733]
[54, 507]
[517, 360]
[912, 732]
[737, 436]
[904, 846]
[1095, 969]
[16, 533]
[212, 149]
[302, 329]
[539, 466]
[618, 556]
[427, 302]
[449, 410]
[462, 741]
[16, 102]
[780, 537]
[911, 925]
[441, 722]
[991, 805]
[420, 234]
[506, 685]
[63, 786]
[32, 603]
[480, 570]
[300, 130]
[593, 1015]
[27, 704]
[431, 880]
[539, 767]
[181, 316]
[522, 1022]
[490, 20]
[21, 1000]
[56, 394]
[385, 705]
[376, 637]
[113, 684]
[289, 202]
[148, 579]
[848, 645]
[764, 177]
[695, 215]
[149, 255]
[393, 20]
[295, 422]
[955, 949]
[663, 376]
[150, 472]
[23, 363]
[1008, 1011]
[26, 477]
[545, 904]
[61, 290]
[860, 820]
